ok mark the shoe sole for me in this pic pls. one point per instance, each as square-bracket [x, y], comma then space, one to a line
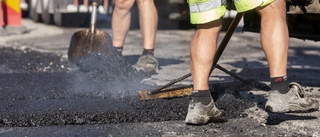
[202, 120]
[148, 68]
[299, 109]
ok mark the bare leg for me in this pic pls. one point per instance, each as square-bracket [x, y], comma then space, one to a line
[274, 37]
[148, 17]
[121, 21]
[202, 50]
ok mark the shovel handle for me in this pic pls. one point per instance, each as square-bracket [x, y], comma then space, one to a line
[93, 17]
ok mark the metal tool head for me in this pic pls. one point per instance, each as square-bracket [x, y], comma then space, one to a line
[84, 42]
[89, 41]
[167, 93]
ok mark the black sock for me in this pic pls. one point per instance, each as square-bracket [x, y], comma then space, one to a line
[118, 50]
[203, 96]
[148, 52]
[280, 84]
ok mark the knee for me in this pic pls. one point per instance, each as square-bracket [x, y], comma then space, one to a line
[141, 2]
[123, 4]
[278, 7]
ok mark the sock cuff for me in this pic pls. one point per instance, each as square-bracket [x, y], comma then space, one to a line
[201, 93]
[148, 51]
[203, 96]
[118, 48]
[278, 79]
[280, 84]
[196, 91]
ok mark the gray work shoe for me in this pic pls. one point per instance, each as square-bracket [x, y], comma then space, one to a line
[293, 101]
[147, 63]
[199, 114]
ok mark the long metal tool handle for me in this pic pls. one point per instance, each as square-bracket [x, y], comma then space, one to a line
[93, 17]
[217, 56]
[232, 74]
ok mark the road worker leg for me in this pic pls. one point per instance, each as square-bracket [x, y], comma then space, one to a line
[207, 15]
[275, 37]
[148, 17]
[202, 50]
[121, 21]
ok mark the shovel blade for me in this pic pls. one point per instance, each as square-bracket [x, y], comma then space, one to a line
[85, 42]
[167, 93]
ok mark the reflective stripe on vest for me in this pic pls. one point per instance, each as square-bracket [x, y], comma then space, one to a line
[245, 5]
[196, 1]
[204, 5]
[207, 16]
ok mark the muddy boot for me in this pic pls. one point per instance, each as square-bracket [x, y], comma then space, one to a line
[147, 63]
[199, 114]
[292, 101]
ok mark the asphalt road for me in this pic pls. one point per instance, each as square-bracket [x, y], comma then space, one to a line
[42, 94]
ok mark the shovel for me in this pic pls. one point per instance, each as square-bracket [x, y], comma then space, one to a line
[86, 42]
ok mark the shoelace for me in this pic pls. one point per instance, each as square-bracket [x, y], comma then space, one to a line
[299, 92]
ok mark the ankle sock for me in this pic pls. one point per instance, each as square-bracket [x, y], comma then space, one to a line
[148, 52]
[203, 96]
[118, 50]
[280, 84]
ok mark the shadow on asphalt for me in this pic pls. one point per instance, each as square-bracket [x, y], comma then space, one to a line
[277, 118]
[302, 67]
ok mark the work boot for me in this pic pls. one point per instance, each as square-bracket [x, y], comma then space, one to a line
[199, 114]
[292, 101]
[147, 63]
